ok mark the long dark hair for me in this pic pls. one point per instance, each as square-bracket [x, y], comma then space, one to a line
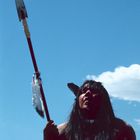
[77, 128]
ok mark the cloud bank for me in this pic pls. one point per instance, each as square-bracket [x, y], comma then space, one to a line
[122, 83]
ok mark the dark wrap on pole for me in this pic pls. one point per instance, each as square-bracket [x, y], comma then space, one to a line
[22, 14]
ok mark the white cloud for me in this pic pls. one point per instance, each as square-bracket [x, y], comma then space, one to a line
[123, 82]
[137, 121]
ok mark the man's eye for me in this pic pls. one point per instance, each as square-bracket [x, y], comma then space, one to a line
[84, 90]
[95, 91]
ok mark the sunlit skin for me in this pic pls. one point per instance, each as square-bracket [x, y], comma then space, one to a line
[89, 102]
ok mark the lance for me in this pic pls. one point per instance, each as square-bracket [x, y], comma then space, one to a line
[22, 15]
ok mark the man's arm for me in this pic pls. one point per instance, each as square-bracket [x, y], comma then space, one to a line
[130, 133]
[125, 131]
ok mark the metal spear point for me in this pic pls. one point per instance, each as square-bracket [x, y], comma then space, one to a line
[21, 10]
[22, 14]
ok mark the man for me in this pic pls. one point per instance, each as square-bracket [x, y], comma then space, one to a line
[92, 117]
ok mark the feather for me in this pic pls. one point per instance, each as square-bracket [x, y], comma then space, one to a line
[36, 98]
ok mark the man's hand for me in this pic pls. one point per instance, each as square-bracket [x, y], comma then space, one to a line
[51, 131]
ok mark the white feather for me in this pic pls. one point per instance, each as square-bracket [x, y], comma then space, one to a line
[36, 98]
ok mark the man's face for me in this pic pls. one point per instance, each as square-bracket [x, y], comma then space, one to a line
[89, 101]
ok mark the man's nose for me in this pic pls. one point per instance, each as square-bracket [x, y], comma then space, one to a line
[88, 92]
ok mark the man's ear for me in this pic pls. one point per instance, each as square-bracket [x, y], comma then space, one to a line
[74, 88]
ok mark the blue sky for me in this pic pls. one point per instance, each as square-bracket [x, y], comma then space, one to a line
[73, 41]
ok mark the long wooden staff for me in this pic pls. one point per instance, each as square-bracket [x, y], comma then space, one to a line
[22, 14]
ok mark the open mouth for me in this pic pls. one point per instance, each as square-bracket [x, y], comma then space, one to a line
[91, 102]
[87, 100]
[88, 103]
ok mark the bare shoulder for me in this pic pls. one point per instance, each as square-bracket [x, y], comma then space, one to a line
[125, 129]
[61, 127]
